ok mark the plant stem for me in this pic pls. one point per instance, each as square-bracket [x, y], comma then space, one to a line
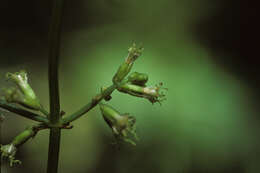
[90, 105]
[22, 112]
[54, 49]
[54, 148]
[27, 134]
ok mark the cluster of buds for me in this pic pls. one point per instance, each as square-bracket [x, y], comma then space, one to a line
[22, 94]
[135, 84]
[123, 125]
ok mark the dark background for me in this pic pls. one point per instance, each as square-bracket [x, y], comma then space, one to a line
[205, 52]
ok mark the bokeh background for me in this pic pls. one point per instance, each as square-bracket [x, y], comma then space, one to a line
[204, 52]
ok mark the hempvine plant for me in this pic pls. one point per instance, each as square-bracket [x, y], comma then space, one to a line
[22, 100]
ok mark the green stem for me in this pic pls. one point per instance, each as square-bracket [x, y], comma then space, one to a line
[22, 112]
[27, 134]
[54, 49]
[90, 105]
[54, 148]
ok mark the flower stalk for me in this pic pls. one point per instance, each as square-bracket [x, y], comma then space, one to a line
[8, 151]
[95, 100]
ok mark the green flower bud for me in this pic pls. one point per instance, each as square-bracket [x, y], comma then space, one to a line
[138, 78]
[152, 93]
[124, 69]
[9, 152]
[122, 125]
[20, 79]
[24, 94]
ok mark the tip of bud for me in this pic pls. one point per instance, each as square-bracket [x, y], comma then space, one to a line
[134, 52]
[8, 151]
[155, 94]
[18, 77]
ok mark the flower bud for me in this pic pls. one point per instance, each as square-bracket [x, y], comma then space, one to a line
[138, 78]
[124, 69]
[24, 94]
[152, 93]
[122, 125]
[9, 151]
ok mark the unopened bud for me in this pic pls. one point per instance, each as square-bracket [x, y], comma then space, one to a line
[122, 125]
[24, 94]
[152, 93]
[133, 53]
[138, 78]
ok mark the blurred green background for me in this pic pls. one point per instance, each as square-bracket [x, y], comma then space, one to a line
[204, 53]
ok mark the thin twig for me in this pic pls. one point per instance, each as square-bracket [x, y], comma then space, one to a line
[28, 133]
[22, 112]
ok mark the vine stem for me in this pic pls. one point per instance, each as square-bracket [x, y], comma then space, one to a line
[54, 51]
